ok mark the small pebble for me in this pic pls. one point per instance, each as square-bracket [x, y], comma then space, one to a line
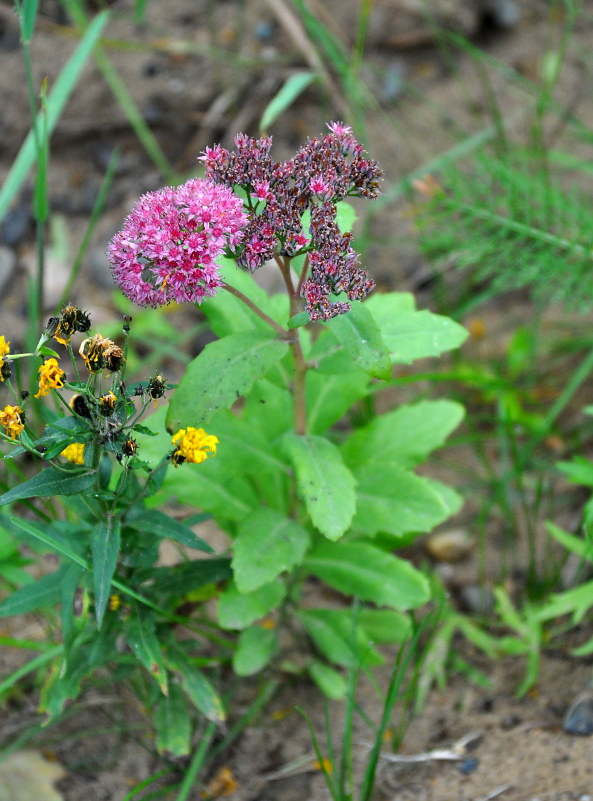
[392, 84]
[16, 226]
[454, 545]
[7, 265]
[476, 599]
[579, 717]
[99, 268]
[504, 13]
[468, 765]
[510, 721]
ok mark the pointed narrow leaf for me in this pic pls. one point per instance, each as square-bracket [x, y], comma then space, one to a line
[105, 543]
[48, 536]
[366, 572]
[325, 483]
[70, 584]
[64, 682]
[51, 481]
[199, 690]
[42, 594]
[172, 723]
[151, 521]
[143, 641]
[224, 371]
[360, 335]
[267, 544]
[287, 94]
[256, 647]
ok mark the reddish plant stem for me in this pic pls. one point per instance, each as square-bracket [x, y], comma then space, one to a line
[298, 359]
[256, 310]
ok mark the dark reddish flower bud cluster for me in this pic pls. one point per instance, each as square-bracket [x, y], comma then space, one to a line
[321, 174]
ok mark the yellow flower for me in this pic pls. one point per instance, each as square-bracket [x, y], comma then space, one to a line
[193, 445]
[74, 453]
[51, 376]
[4, 366]
[114, 602]
[12, 421]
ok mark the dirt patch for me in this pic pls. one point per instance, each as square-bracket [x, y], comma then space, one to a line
[198, 73]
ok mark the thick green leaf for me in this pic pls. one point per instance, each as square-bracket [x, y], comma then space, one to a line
[383, 305]
[238, 610]
[55, 103]
[245, 447]
[256, 647]
[51, 481]
[411, 335]
[360, 335]
[141, 637]
[330, 682]
[405, 436]
[212, 490]
[324, 482]
[329, 356]
[269, 408]
[267, 543]
[394, 501]
[172, 723]
[225, 370]
[159, 524]
[328, 397]
[385, 625]
[333, 633]
[105, 544]
[42, 594]
[294, 85]
[366, 572]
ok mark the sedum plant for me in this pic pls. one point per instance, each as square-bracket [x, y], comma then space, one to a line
[301, 496]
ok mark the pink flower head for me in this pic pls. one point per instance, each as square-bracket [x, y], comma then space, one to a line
[168, 247]
[262, 191]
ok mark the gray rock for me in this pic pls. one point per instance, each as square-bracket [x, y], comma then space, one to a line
[7, 265]
[99, 268]
[579, 717]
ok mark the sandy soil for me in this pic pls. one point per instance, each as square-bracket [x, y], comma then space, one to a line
[200, 72]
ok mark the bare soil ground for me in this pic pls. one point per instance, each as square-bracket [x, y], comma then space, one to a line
[200, 71]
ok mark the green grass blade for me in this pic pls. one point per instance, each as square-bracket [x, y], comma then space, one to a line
[55, 105]
[95, 214]
[28, 13]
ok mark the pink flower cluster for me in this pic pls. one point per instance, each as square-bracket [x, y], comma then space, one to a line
[321, 174]
[168, 247]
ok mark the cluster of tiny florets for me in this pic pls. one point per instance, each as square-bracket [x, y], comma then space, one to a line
[322, 172]
[168, 247]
